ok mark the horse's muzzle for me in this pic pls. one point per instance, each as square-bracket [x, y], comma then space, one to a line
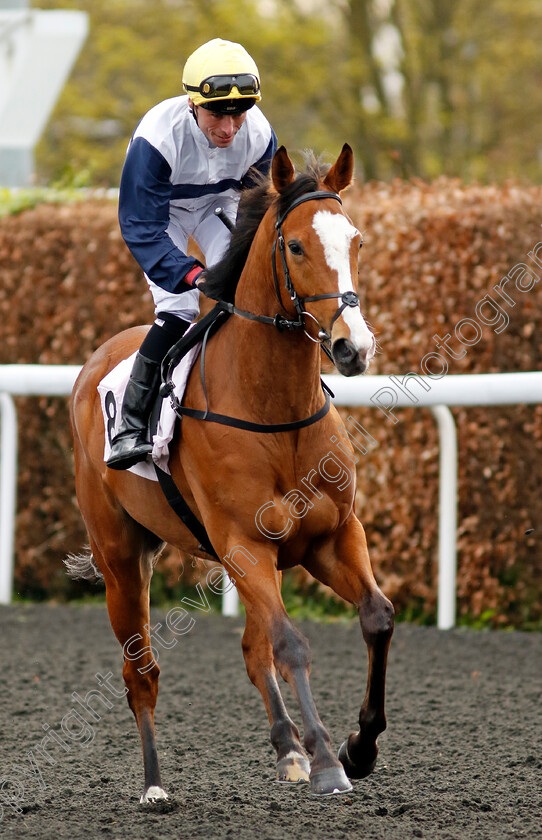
[348, 360]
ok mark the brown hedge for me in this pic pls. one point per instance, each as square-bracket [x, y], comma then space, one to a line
[431, 254]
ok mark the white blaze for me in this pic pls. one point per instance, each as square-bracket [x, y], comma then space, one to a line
[336, 233]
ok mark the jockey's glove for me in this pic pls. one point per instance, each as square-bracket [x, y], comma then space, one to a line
[193, 275]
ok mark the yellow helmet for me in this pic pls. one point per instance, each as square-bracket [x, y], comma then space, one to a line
[221, 70]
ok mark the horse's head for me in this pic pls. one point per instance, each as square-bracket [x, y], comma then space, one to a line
[318, 264]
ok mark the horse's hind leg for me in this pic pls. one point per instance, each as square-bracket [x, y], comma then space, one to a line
[344, 565]
[292, 762]
[123, 551]
[128, 606]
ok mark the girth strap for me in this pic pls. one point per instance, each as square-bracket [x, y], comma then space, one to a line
[179, 504]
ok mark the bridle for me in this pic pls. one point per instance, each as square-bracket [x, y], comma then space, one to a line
[348, 299]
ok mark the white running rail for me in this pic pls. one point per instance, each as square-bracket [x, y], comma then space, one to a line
[385, 393]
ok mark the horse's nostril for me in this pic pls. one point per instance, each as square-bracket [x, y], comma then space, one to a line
[343, 351]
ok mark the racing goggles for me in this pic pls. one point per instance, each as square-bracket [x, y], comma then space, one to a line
[218, 87]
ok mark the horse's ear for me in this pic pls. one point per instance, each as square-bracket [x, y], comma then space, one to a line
[340, 174]
[282, 170]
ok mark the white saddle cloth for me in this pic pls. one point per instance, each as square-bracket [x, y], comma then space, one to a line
[111, 390]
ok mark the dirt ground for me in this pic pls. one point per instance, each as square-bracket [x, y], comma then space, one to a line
[461, 759]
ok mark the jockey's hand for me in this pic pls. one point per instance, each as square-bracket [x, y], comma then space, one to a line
[200, 279]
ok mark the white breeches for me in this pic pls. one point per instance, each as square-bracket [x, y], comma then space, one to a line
[211, 236]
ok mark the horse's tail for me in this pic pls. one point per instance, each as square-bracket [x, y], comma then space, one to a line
[82, 566]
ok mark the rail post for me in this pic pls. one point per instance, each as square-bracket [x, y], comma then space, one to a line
[8, 493]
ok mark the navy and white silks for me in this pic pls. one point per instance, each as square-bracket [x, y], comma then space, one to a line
[172, 181]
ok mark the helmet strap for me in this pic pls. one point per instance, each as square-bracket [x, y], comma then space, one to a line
[193, 110]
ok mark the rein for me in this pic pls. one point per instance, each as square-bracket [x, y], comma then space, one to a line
[348, 299]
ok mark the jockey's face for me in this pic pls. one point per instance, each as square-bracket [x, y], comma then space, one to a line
[219, 129]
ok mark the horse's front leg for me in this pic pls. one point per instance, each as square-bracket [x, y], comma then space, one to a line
[343, 564]
[259, 589]
[292, 762]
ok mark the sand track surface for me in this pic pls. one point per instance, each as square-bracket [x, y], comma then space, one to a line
[461, 759]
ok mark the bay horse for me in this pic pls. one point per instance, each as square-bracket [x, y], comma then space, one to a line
[294, 249]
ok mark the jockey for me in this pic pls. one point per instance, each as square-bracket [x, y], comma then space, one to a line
[188, 156]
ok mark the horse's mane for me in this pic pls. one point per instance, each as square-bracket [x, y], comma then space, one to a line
[222, 278]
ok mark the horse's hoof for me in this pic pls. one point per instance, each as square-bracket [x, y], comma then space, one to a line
[354, 771]
[329, 781]
[293, 769]
[153, 794]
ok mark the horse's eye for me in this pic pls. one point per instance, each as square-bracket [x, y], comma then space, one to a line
[361, 244]
[296, 247]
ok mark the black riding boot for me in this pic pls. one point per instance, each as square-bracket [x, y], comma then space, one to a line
[131, 443]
